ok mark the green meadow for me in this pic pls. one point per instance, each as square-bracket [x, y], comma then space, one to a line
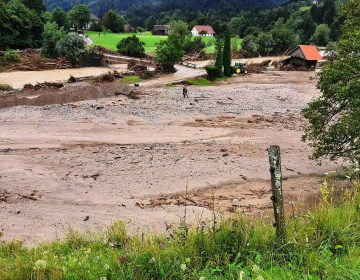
[110, 40]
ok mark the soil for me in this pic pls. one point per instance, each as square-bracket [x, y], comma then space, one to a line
[111, 157]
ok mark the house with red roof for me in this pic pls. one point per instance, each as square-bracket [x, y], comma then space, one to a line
[203, 30]
[304, 56]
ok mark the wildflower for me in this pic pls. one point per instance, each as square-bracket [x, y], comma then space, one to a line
[40, 264]
[183, 266]
[247, 244]
[255, 268]
[153, 259]
[241, 275]
[187, 260]
[357, 169]
[259, 278]
[106, 266]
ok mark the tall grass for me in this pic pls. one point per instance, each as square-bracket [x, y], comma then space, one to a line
[322, 244]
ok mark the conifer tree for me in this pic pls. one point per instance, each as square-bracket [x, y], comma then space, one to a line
[227, 54]
[219, 56]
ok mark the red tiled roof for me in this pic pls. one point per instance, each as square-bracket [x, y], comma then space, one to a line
[127, 25]
[311, 52]
[206, 28]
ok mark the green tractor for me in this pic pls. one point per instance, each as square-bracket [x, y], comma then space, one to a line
[240, 68]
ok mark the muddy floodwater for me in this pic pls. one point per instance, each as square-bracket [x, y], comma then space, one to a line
[93, 152]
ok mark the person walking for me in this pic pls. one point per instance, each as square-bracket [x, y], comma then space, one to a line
[185, 92]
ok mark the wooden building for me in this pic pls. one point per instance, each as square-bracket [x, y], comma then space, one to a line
[307, 56]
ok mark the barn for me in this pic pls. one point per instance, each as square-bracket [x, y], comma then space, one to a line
[307, 56]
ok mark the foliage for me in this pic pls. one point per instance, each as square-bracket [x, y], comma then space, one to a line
[20, 27]
[213, 72]
[61, 18]
[234, 45]
[249, 44]
[265, 43]
[37, 6]
[95, 26]
[140, 29]
[335, 116]
[199, 82]
[79, 16]
[194, 45]
[227, 54]
[219, 56]
[5, 87]
[52, 36]
[180, 28]
[322, 244]
[131, 46]
[331, 51]
[321, 36]
[72, 46]
[114, 22]
[150, 22]
[10, 57]
[169, 52]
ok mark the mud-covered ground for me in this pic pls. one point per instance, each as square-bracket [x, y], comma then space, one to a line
[88, 163]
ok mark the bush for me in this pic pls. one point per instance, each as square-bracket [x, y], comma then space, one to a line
[249, 45]
[5, 87]
[169, 52]
[194, 46]
[72, 46]
[131, 46]
[11, 57]
[232, 70]
[213, 72]
[51, 37]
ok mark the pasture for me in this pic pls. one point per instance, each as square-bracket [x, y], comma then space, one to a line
[110, 40]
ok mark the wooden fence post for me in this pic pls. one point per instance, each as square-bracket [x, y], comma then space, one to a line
[277, 193]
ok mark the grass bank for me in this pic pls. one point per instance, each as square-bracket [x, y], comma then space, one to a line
[110, 40]
[321, 244]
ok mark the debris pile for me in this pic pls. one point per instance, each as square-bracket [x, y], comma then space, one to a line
[107, 77]
[38, 86]
[292, 67]
[31, 60]
[258, 67]
[240, 54]
[196, 56]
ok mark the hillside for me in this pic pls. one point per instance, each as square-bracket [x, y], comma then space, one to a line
[99, 7]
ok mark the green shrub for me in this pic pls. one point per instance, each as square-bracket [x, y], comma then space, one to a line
[213, 72]
[232, 70]
[131, 46]
[11, 57]
[72, 46]
[5, 87]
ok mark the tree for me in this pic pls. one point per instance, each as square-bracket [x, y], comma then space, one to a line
[169, 52]
[61, 18]
[180, 28]
[249, 44]
[321, 36]
[151, 21]
[95, 25]
[227, 54]
[114, 22]
[219, 56]
[265, 43]
[20, 27]
[79, 16]
[334, 117]
[195, 45]
[72, 46]
[131, 46]
[36, 5]
[51, 38]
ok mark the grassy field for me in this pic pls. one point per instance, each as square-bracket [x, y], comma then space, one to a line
[110, 40]
[322, 243]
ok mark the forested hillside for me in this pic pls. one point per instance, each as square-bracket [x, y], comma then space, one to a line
[100, 7]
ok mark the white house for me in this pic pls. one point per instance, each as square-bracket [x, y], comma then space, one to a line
[203, 30]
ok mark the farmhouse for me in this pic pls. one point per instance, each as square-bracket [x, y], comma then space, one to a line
[129, 28]
[203, 30]
[304, 56]
[161, 30]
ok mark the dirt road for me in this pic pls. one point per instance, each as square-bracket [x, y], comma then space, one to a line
[122, 159]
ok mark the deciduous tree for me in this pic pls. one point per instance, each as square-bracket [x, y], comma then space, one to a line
[334, 117]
